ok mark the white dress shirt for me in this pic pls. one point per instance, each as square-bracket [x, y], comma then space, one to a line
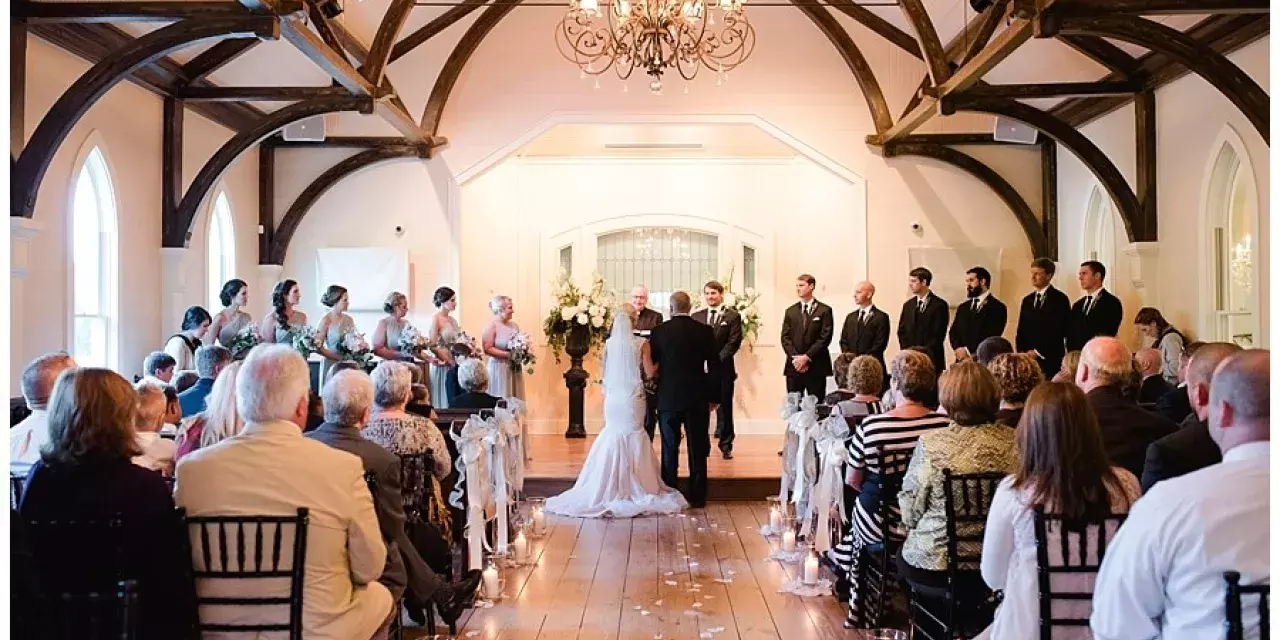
[26, 439]
[1162, 576]
[157, 452]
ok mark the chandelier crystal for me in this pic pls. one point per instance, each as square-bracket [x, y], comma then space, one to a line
[655, 36]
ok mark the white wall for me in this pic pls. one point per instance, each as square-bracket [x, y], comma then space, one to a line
[127, 122]
[1191, 116]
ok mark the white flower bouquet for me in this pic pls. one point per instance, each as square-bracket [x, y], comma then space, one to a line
[413, 341]
[573, 306]
[303, 340]
[464, 346]
[744, 303]
[355, 347]
[243, 342]
[521, 349]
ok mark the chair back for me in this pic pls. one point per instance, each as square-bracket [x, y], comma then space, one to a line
[107, 614]
[968, 500]
[451, 415]
[17, 485]
[18, 411]
[1068, 556]
[95, 600]
[893, 467]
[233, 549]
[1235, 607]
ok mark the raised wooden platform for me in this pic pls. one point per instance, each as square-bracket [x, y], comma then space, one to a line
[752, 474]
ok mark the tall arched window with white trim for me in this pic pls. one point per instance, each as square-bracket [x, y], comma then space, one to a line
[221, 248]
[1232, 208]
[94, 264]
[1100, 229]
[661, 258]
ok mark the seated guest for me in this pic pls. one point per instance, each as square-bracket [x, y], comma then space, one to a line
[156, 453]
[1127, 429]
[840, 370]
[991, 347]
[403, 433]
[210, 361]
[420, 398]
[1016, 374]
[865, 379]
[28, 437]
[931, 400]
[182, 346]
[973, 443]
[913, 380]
[172, 412]
[218, 421]
[159, 367]
[1162, 575]
[271, 469]
[1062, 468]
[1153, 386]
[1190, 447]
[1167, 340]
[1176, 405]
[474, 380]
[1070, 363]
[315, 412]
[85, 473]
[348, 399]
[184, 380]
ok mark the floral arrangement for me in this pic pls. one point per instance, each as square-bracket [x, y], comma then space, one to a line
[464, 346]
[355, 347]
[303, 340]
[575, 306]
[744, 303]
[520, 346]
[413, 341]
[243, 342]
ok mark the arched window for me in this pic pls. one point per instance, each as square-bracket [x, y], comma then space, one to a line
[93, 264]
[664, 259]
[1100, 229]
[1232, 218]
[221, 249]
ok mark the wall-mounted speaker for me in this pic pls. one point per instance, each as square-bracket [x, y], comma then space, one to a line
[309, 130]
[1007, 130]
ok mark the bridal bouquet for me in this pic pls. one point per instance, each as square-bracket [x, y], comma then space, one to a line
[744, 303]
[303, 340]
[574, 306]
[355, 348]
[243, 342]
[413, 341]
[520, 347]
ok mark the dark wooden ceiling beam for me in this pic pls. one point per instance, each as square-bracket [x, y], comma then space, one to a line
[1104, 53]
[431, 29]
[97, 12]
[357, 49]
[388, 30]
[258, 94]
[863, 74]
[931, 50]
[875, 23]
[217, 57]
[457, 60]
[335, 142]
[964, 46]
[1056, 89]
[1158, 7]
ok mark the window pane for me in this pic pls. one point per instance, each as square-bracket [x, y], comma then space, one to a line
[93, 222]
[221, 249]
[566, 259]
[90, 348]
[663, 259]
[86, 258]
[748, 267]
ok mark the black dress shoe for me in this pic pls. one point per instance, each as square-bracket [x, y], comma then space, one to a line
[454, 598]
[728, 455]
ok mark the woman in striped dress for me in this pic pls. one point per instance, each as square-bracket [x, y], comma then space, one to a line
[913, 382]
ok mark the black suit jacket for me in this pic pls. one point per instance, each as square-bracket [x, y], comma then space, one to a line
[868, 338]
[728, 332]
[972, 327]
[1153, 389]
[1103, 320]
[1188, 449]
[928, 329]
[809, 336]
[1127, 429]
[1175, 405]
[1044, 329]
[404, 565]
[688, 364]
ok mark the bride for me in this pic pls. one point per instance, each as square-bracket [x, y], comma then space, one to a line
[621, 478]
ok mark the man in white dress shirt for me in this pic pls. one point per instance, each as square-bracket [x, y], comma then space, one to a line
[269, 468]
[1162, 576]
[157, 452]
[29, 436]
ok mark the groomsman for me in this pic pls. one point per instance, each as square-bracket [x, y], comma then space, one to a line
[1042, 320]
[982, 316]
[1097, 312]
[866, 329]
[646, 320]
[727, 326]
[923, 322]
[806, 335]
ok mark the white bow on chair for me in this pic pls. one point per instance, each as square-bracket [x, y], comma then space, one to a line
[511, 422]
[519, 410]
[803, 424]
[507, 469]
[790, 406]
[829, 493]
[475, 450]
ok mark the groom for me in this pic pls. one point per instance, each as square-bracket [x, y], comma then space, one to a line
[688, 391]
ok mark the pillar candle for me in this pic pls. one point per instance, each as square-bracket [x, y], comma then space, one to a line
[491, 586]
[775, 519]
[539, 520]
[788, 541]
[811, 570]
[521, 547]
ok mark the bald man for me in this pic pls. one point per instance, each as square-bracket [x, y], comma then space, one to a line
[1151, 366]
[1127, 429]
[866, 330]
[1162, 575]
[1190, 447]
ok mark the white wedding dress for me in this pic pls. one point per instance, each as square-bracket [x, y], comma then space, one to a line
[621, 478]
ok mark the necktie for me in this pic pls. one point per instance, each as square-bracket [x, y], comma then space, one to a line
[1088, 304]
[922, 306]
[977, 305]
[866, 313]
[713, 317]
[1039, 300]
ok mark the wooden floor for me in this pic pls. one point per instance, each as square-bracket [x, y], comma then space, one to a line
[754, 456]
[601, 579]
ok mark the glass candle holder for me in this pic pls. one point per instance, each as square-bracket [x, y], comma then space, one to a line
[492, 580]
[537, 517]
[788, 543]
[810, 574]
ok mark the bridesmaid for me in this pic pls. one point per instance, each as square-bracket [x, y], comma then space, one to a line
[333, 327]
[442, 333]
[231, 320]
[386, 336]
[504, 382]
[285, 314]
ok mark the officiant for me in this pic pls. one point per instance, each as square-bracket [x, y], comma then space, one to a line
[646, 320]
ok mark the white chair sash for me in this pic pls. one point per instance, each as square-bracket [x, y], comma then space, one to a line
[829, 494]
[475, 452]
[511, 421]
[519, 410]
[790, 406]
[804, 424]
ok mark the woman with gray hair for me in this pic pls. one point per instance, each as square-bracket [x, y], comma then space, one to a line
[865, 378]
[397, 430]
[474, 381]
[505, 381]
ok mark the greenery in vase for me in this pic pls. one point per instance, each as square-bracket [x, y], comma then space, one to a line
[572, 305]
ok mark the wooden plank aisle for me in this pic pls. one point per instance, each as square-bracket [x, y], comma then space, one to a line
[701, 529]
[604, 606]
[676, 598]
[825, 617]
[743, 593]
[568, 599]
[641, 582]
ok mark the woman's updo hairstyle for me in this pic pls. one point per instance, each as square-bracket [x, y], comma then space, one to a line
[442, 296]
[395, 298]
[333, 295]
[230, 289]
[278, 296]
[495, 305]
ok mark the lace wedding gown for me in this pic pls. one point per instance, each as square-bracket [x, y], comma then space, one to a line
[621, 478]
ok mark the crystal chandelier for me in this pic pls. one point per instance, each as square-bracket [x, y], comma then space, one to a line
[655, 35]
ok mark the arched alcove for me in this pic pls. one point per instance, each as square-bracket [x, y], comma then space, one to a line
[95, 269]
[1230, 279]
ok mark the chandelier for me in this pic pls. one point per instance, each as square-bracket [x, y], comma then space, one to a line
[656, 36]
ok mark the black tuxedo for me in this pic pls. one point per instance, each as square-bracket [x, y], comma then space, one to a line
[646, 321]
[1153, 388]
[1127, 429]
[688, 382]
[1044, 328]
[869, 338]
[1188, 449]
[808, 335]
[1175, 405]
[972, 326]
[1102, 320]
[927, 329]
[728, 332]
